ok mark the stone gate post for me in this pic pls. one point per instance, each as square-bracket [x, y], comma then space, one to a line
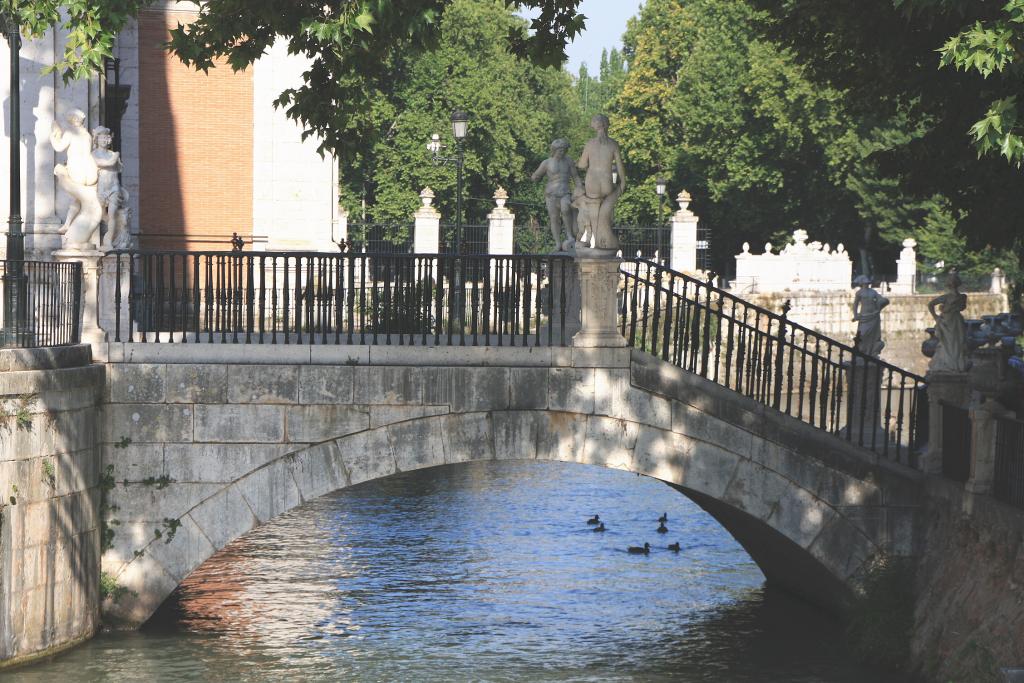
[906, 269]
[684, 236]
[427, 228]
[500, 227]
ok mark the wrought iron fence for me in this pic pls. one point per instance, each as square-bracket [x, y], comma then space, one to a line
[316, 298]
[474, 239]
[763, 355]
[42, 304]
[645, 241]
[1009, 475]
[380, 238]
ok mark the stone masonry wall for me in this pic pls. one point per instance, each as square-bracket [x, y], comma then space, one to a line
[904, 321]
[969, 620]
[49, 500]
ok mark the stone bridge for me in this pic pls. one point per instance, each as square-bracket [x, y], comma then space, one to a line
[208, 441]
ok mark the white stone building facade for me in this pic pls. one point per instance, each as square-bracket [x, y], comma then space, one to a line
[204, 156]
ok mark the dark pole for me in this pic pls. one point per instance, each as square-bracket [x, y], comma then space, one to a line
[458, 197]
[15, 238]
[14, 296]
[661, 225]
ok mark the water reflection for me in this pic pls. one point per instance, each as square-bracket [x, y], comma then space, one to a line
[483, 571]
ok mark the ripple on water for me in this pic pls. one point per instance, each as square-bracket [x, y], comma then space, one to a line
[482, 572]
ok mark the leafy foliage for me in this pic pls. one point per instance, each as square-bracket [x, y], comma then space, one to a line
[90, 26]
[949, 67]
[355, 49]
[516, 109]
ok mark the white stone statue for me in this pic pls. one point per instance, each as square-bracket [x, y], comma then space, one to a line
[560, 169]
[597, 202]
[113, 198]
[950, 330]
[867, 313]
[79, 177]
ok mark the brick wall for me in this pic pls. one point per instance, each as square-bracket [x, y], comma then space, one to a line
[195, 146]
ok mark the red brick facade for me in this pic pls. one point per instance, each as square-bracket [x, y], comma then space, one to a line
[195, 146]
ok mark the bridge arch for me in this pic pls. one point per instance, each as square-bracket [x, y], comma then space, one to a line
[809, 510]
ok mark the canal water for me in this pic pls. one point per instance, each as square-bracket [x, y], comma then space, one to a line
[478, 572]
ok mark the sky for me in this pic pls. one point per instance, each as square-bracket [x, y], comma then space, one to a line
[606, 22]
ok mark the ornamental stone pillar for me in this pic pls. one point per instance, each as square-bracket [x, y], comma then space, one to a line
[599, 279]
[427, 228]
[500, 229]
[906, 269]
[683, 256]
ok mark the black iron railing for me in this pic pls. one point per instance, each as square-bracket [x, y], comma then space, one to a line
[1009, 475]
[319, 298]
[47, 310]
[763, 355]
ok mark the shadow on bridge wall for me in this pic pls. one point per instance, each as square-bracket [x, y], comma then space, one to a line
[237, 445]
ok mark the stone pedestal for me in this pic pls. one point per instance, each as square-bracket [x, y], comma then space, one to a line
[863, 414]
[599, 279]
[943, 387]
[92, 333]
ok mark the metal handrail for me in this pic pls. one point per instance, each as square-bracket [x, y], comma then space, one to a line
[765, 356]
[48, 307]
[343, 298]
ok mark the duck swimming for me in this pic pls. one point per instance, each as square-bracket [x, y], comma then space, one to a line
[599, 527]
[663, 518]
[633, 550]
[662, 529]
[674, 547]
[594, 520]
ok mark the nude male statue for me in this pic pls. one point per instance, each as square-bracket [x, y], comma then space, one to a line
[597, 204]
[559, 169]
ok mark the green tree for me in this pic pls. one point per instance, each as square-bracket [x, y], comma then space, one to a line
[712, 97]
[952, 67]
[516, 109]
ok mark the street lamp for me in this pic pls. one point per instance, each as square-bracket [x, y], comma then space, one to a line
[460, 126]
[14, 304]
[660, 185]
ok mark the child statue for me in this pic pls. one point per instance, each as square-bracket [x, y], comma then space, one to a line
[112, 197]
[559, 169]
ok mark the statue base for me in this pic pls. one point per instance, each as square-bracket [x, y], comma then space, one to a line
[585, 252]
[599, 279]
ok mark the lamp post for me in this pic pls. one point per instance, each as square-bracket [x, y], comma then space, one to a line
[14, 304]
[460, 126]
[660, 186]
